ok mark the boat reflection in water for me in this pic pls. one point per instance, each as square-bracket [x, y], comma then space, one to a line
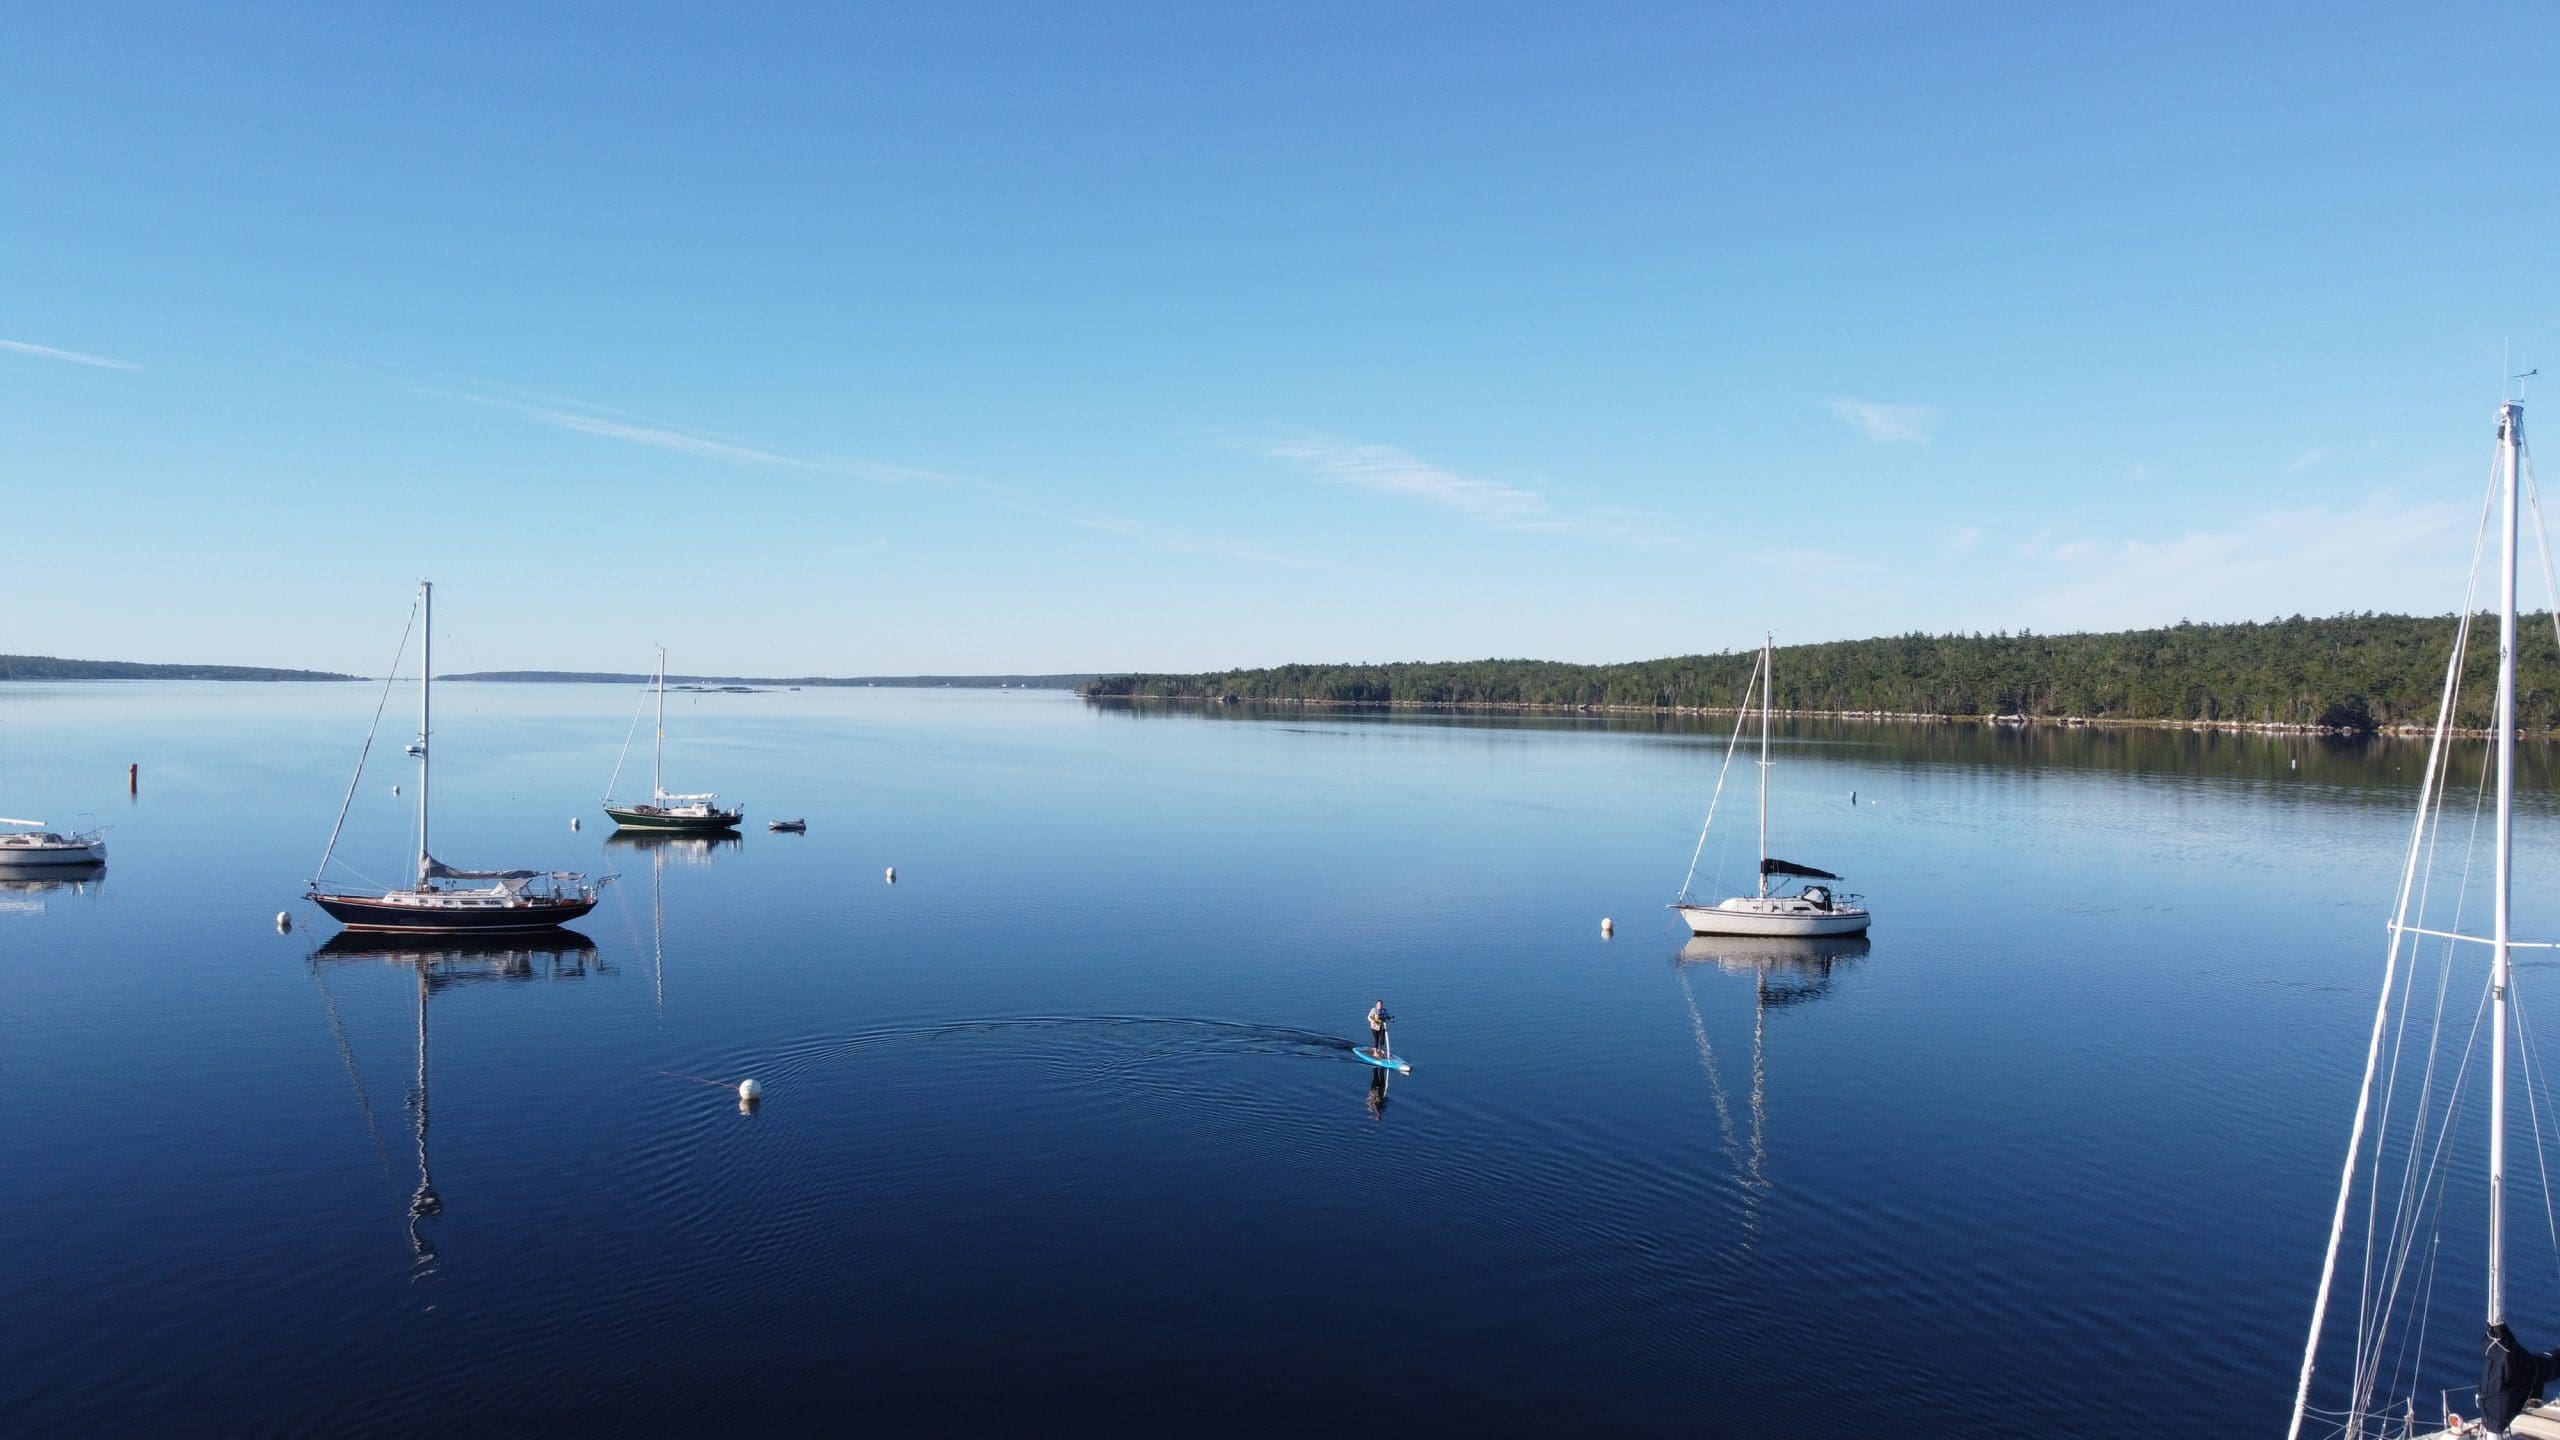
[441, 964]
[1783, 972]
[25, 892]
[664, 848]
[674, 846]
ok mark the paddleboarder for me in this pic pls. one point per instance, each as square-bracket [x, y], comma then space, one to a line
[1378, 1018]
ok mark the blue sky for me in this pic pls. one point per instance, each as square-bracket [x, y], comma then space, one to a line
[850, 339]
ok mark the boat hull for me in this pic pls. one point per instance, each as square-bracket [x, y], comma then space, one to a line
[67, 855]
[1774, 918]
[642, 817]
[405, 915]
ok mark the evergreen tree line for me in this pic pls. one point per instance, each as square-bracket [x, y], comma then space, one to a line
[2345, 672]
[48, 667]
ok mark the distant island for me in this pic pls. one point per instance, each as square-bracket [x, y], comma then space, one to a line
[2343, 674]
[47, 667]
[770, 682]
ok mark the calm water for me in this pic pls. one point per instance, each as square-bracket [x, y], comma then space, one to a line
[1061, 1130]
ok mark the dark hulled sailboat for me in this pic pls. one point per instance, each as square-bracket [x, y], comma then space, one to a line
[448, 899]
[682, 814]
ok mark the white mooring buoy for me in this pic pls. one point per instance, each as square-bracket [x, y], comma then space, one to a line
[284, 922]
[573, 822]
[1608, 927]
[749, 1093]
[893, 874]
[395, 789]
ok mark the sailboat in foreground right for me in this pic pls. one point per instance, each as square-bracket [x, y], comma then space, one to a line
[2399, 1151]
[1809, 909]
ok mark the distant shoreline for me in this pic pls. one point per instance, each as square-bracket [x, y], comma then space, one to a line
[48, 667]
[1875, 717]
[54, 668]
[776, 682]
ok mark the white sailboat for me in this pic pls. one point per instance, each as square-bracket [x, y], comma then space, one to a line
[2388, 1388]
[1809, 909]
[32, 846]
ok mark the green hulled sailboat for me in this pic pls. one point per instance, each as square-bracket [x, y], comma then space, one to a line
[685, 813]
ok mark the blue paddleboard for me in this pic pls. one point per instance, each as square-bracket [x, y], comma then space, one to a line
[1370, 1054]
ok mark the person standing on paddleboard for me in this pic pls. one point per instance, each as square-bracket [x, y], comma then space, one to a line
[1378, 1018]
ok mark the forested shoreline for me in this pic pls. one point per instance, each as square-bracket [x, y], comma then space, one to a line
[48, 667]
[2349, 673]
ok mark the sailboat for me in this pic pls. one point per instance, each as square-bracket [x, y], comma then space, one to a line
[1807, 910]
[664, 811]
[2402, 1238]
[447, 899]
[31, 846]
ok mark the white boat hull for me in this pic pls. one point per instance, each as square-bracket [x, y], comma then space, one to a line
[1777, 915]
[61, 854]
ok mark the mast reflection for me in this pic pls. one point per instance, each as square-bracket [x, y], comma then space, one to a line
[664, 848]
[442, 962]
[1784, 972]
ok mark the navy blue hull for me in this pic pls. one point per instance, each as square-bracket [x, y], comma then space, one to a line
[358, 912]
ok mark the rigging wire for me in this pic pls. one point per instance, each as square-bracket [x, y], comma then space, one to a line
[2542, 541]
[2437, 1173]
[2426, 830]
[346, 1053]
[2373, 1051]
[2412, 1209]
[1741, 717]
[563, 856]
[358, 778]
[1724, 1112]
[2373, 1328]
[636, 712]
[2527, 1060]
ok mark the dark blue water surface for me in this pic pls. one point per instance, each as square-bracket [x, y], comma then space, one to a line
[1062, 1131]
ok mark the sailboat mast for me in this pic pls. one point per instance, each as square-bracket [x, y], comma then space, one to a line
[426, 674]
[658, 761]
[2511, 453]
[1768, 701]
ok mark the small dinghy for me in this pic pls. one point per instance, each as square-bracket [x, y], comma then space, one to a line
[793, 826]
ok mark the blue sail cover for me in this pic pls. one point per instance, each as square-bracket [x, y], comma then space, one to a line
[1789, 867]
[2511, 1377]
[438, 870]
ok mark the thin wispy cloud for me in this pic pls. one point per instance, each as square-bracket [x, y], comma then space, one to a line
[597, 421]
[1889, 424]
[1186, 544]
[604, 422]
[68, 357]
[2311, 560]
[1494, 504]
[1396, 472]
[2310, 457]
